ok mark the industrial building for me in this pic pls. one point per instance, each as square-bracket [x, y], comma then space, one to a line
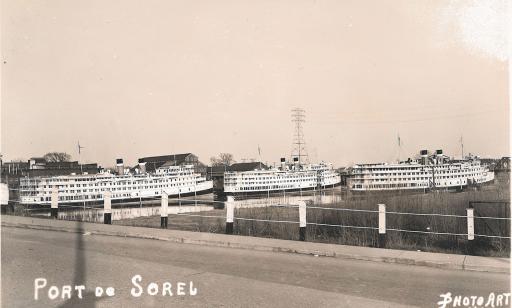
[154, 162]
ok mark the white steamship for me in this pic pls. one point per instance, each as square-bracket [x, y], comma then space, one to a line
[175, 181]
[435, 171]
[286, 178]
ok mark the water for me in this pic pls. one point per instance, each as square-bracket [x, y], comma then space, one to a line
[189, 205]
[327, 196]
[96, 214]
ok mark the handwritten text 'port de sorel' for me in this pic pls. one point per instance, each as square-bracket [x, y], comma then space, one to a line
[53, 292]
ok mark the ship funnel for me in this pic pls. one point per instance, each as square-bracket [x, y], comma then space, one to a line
[439, 156]
[120, 166]
[142, 165]
[424, 157]
[283, 163]
[296, 163]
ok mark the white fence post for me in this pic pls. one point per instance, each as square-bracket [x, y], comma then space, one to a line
[107, 208]
[382, 225]
[164, 216]
[230, 214]
[471, 224]
[302, 220]
[54, 211]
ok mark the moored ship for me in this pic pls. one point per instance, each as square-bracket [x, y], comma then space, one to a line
[286, 178]
[175, 181]
[435, 171]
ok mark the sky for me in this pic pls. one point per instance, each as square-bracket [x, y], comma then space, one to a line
[130, 78]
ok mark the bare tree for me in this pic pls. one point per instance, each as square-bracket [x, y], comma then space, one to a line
[56, 157]
[224, 159]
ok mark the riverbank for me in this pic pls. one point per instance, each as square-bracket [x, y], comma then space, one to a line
[494, 202]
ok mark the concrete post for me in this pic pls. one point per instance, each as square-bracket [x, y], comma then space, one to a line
[471, 224]
[107, 208]
[302, 220]
[230, 214]
[164, 216]
[470, 213]
[54, 211]
[382, 225]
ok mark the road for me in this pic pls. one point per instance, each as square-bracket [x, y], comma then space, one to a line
[223, 276]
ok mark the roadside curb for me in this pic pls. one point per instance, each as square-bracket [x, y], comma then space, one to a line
[435, 260]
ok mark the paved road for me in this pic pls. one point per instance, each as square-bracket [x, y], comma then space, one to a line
[222, 276]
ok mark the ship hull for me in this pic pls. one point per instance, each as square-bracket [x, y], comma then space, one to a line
[457, 188]
[279, 192]
[121, 201]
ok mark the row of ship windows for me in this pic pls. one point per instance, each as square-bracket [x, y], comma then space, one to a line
[391, 185]
[279, 178]
[121, 184]
[91, 197]
[84, 197]
[439, 176]
[268, 182]
[399, 185]
[99, 181]
[414, 178]
[422, 172]
[118, 189]
[168, 171]
[451, 166]
[267, 187]
[128, 183]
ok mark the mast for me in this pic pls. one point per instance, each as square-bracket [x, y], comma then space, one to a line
[462, 147]
[259, 153]
[79, 160]
[399, 147]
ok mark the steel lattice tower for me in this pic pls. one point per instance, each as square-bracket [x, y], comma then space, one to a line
[299, 143]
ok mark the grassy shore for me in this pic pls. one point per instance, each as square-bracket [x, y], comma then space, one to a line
[441, 202]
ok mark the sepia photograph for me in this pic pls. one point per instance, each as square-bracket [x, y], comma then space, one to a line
[305, 153]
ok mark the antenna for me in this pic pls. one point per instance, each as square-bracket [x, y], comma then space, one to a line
[299, 144]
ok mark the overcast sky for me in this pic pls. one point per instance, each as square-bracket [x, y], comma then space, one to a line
[138, 78]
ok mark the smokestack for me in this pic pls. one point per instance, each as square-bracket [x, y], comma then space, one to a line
[283, 163]
[439, 156]
[296, 163]
[424, 157]
[142, 165]
[120, 166]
